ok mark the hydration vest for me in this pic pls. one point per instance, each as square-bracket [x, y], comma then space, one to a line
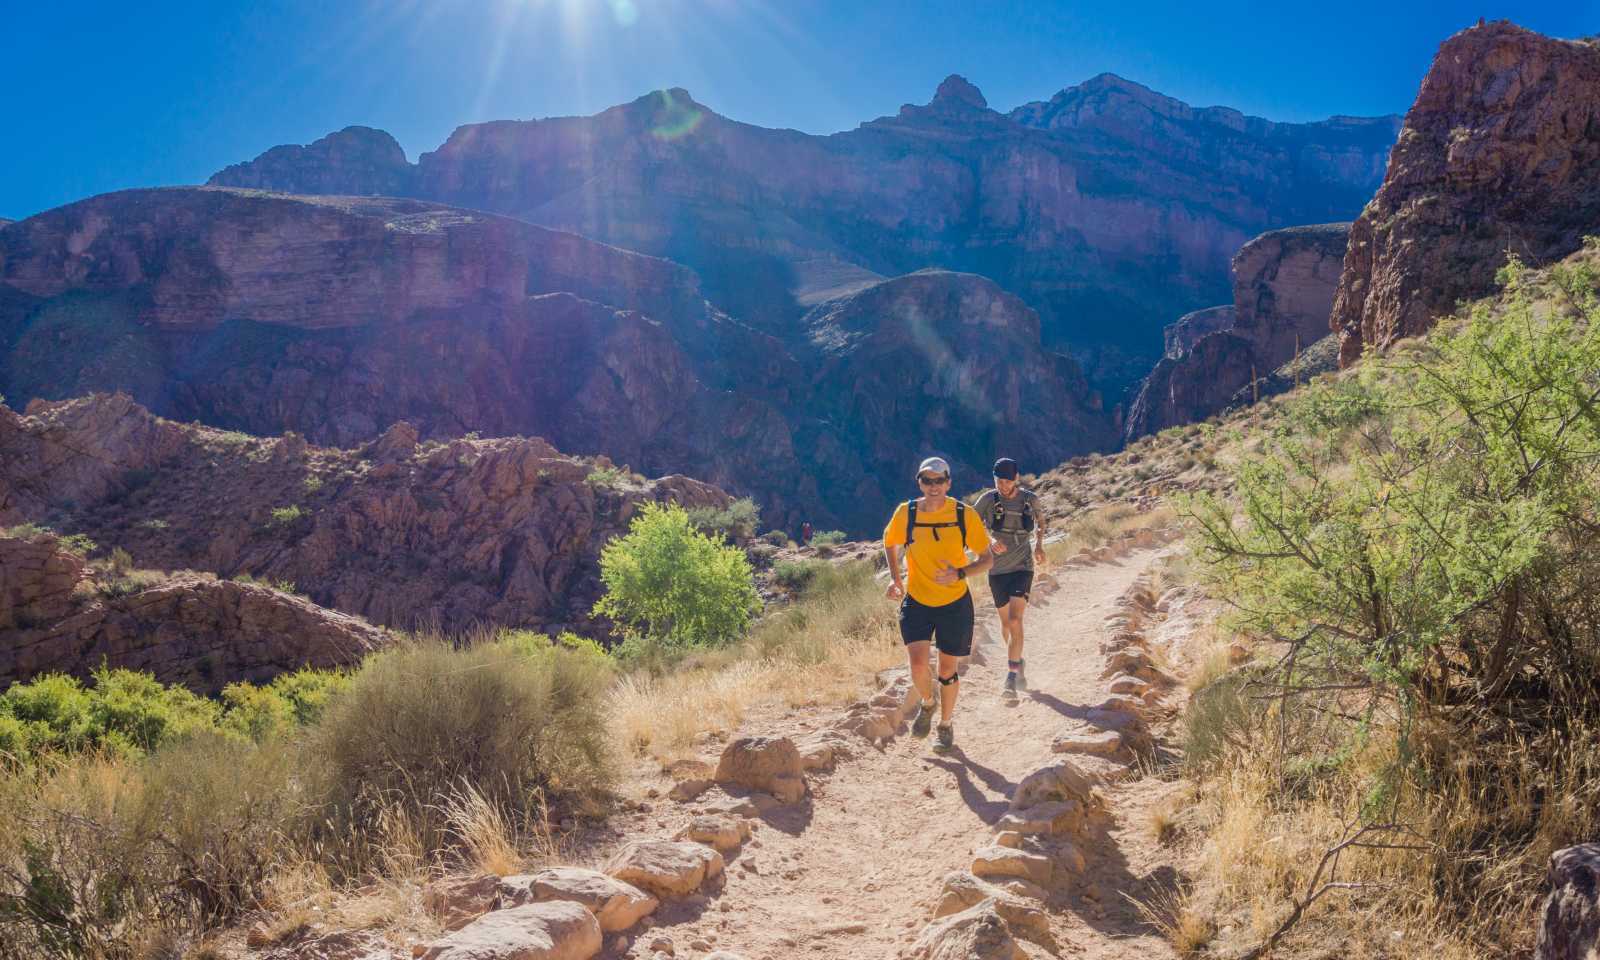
[960, 521]
[1000, 513]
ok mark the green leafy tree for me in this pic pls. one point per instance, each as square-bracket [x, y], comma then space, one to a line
[668, 583]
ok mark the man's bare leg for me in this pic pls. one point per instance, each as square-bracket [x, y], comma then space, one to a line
[921, 676]
[948, 691]
[1011, 618]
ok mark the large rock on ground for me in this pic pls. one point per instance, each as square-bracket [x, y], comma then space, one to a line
[998, 861]
[961, 891]
[666, 868]
[616, 904]
[764, 763]
[1059, 781]
[722, 831]
[1569, 928]
[536, 931]
[1500, 152]
[977, 933]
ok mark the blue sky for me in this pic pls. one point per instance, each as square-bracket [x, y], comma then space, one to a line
[103, 96]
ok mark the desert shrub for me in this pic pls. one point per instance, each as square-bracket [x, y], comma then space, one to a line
[104, 853]
[670, 584]
[828, 538]
[1422, 540]
[606, 478]
[80, 544]
[796, 575]
[761, 553]
[290, 701]
[736, 521]
[284, 516]
[776, 537]
[515, 719]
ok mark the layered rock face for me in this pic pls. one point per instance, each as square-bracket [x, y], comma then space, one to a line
[1284, 286]
[191, 628]
[504, 531]
[938, 362]
[357, 161]
[336, 317]
[1500, 152]
[1108, 209]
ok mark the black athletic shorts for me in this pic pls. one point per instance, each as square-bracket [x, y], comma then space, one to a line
[949, 625]
[1018, 583]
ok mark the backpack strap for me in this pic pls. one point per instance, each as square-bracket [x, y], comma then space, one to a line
[961, 522]
[911, 519]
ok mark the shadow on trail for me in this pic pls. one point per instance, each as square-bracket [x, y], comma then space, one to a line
[1068, 710]
[965, 769]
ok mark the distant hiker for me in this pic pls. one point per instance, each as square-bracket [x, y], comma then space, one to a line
[1012, 515]
[805, 533]
[935, 603]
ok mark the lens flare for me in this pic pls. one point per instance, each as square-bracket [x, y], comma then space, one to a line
[676, 118]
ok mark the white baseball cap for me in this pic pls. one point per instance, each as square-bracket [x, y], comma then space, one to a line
[934, 465]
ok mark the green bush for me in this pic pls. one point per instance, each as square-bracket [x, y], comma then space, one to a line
[284, 516]
[123, 711]
[736, 521]
[607, 478]
[828, 538]
[668, 583]
[776, 537]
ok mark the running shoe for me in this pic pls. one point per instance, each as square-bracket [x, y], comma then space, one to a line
[924, 720]
[1022, 676]
[947, 738]
[1010, 691]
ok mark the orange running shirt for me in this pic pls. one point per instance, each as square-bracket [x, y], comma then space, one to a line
[927, 554]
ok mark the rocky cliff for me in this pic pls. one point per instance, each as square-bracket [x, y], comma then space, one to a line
[335, 317]
[58, 614]
[1499, 154]
[1108, 209]
[939, 362]
[402, 532]
[1283, 290]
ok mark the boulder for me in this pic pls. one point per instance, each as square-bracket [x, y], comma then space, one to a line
[1104, 743]
[457, 901]
[961, 891]
[976, 933]
[1047, 817]
[1059, 781]
[666, 868]
[616, 904]
[998, 861]
[1569, 925]
[557, 930]
[764, 763]
[720, 830]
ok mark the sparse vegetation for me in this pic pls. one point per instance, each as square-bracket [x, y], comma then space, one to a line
[607, 478]
[284, 516]
[796, 575]
[1416, 543]
[736, 521]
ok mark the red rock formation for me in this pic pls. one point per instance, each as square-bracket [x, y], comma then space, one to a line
[1284, 284]
[336, 317]
[1108, 209]
[187, 628]
[355, 161]
[504, 531]
[1500, 152]
[1181, 335]
[949, 363]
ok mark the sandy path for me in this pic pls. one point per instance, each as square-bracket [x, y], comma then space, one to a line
[857, 870]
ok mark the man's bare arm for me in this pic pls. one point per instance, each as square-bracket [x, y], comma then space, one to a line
[897, 583]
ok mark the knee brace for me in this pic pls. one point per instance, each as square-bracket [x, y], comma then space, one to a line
[946, 681]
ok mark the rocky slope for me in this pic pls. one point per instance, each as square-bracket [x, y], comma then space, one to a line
[1284, 285]
[1500, 153]
[60, 615]
[336, 317]
[949, 363]
[1108, 209]
[504, 531]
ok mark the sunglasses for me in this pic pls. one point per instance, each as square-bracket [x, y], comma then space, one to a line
[932, 481]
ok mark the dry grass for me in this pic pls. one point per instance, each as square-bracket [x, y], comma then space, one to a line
[822, 650]
[1172, 912]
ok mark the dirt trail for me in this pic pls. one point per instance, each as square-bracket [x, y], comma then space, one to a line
[856, 871]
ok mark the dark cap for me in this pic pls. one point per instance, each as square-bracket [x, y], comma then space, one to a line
[1005, 468]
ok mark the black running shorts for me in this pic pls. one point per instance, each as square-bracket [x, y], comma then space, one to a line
[950, 625]
[1018, 583]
